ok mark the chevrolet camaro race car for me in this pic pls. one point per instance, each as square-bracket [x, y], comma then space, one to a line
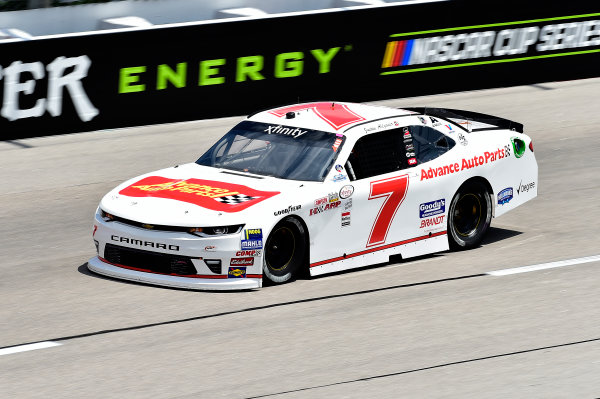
[322, 187]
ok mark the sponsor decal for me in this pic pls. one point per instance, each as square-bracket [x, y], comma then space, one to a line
[432, 222]
[253, 252]
[505, 196]
[286, 131]
[339, 168]
[210, 248]
[410, 155]
[346, 219]
[348, 204]
[508, 42]
[237, 272]
[143, 243]
[507, 150]
[339, 177]
[241, 262]
[432, 208]
[519, 146]
[253, 239]
[336, 115]
[321, 201]
[336, 144]
[406, 133]
[462, 139]
[412, 161]
[465, 164]
[252, 244]
[216, 71]
[322, 208]
[422, 120]
[330, 198]
[289, 209]
[346, 191]
[253, 234]
[449, 127]
[523, 188]
[434, 122]
[409, 147]
[65, 75]
[210, 194]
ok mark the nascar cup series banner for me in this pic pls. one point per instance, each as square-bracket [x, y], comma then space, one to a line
[168, 74]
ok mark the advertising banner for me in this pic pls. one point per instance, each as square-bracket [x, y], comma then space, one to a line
[169, 74]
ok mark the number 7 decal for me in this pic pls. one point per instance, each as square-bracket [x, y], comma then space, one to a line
[394, 191]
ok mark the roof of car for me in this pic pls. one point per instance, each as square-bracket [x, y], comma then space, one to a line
[329, 116]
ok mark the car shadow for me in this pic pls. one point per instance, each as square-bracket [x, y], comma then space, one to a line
[495, 234]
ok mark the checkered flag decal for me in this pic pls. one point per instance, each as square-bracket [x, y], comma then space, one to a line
[234, 199]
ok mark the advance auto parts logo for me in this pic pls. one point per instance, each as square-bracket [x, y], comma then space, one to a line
[506, 42]
[214, 195]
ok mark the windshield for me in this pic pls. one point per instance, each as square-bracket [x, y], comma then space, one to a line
[275, 150]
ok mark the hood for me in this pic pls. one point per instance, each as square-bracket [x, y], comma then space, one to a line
[192, 195]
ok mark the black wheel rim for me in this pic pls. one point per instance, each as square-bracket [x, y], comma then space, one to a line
[280, 248]
[467, 215]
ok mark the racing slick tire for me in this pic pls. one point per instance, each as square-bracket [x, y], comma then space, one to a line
[284, 250]
[469, 216]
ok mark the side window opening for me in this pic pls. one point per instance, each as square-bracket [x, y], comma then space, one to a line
[389, 150]
[442, 143]
[429, 143]
[376, 154]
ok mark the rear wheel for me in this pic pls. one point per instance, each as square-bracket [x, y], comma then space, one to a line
[469, 215]
[285, 250]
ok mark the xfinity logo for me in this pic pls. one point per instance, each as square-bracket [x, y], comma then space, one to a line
[20, 79]
[140, 243]
[287, 131]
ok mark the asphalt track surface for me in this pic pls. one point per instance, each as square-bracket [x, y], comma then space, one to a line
[435, 327]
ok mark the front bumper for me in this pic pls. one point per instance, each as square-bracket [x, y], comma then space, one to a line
[213, 284]
[174, 259]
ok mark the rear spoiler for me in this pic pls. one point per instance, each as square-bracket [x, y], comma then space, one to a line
[474, 121]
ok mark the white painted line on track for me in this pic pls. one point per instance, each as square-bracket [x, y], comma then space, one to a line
[28, 347]
[542, 266]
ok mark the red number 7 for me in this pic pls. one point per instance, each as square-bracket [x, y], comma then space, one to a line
[394, 190]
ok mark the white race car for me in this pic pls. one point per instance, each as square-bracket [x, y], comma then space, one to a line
[318, 186]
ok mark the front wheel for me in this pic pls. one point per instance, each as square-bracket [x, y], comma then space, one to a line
[285, 250]
[469, 216]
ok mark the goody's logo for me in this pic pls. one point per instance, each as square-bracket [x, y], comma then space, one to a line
[505, 196]
[432, 208]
